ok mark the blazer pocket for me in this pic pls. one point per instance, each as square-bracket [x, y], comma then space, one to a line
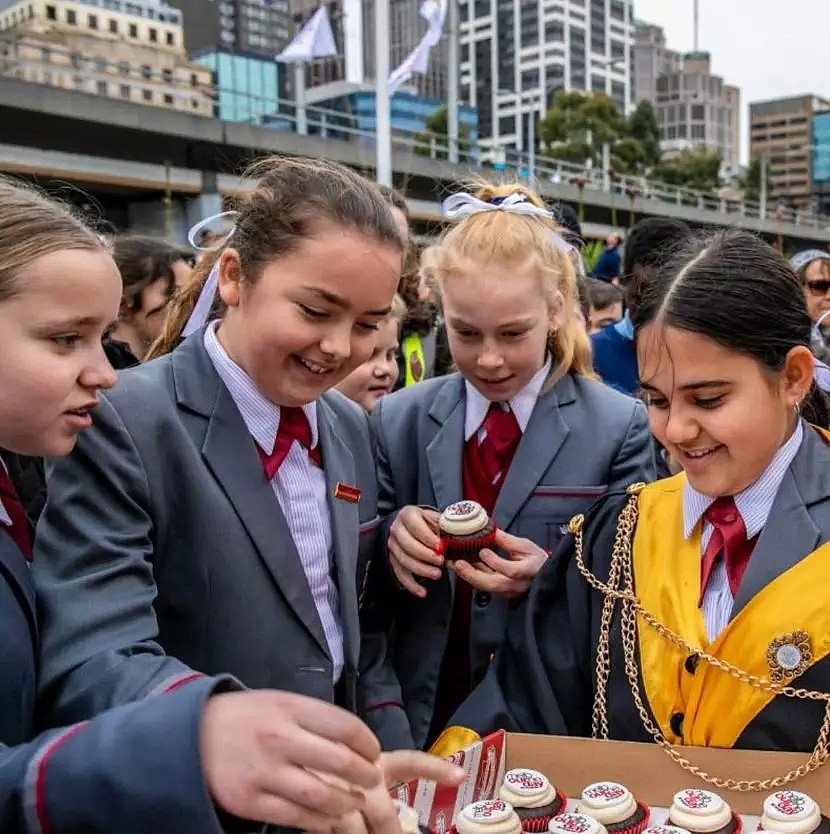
[366, 528]
[545, 518]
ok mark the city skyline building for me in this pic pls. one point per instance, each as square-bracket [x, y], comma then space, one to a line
[132, 50]
[781, 131]
[515, 56]
[695, 108]
[258, 28]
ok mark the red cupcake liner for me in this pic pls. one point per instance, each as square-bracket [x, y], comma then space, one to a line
[469, 544]
[736, 818]
[637, 828]
[534, 825]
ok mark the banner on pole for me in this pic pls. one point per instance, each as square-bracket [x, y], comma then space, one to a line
[314, 40]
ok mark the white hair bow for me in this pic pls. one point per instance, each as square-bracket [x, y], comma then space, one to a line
[461, 205]
[201, 310]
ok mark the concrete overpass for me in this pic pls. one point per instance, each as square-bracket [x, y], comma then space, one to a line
[160, 170]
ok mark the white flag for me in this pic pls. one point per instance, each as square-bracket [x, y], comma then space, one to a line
[353, 40]
[314, 40]
[434, 12]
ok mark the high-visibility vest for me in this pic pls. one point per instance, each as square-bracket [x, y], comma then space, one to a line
[418, 357]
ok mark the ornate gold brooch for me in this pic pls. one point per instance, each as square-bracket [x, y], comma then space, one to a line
[789, 656]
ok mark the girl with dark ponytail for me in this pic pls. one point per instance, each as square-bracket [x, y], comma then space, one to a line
[704, 596]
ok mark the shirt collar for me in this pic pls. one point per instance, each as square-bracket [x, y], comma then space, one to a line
[260, 415]
[755, 502]
[625, 328]
[522, 405]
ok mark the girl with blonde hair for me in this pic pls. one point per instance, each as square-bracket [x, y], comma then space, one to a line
[523, 428]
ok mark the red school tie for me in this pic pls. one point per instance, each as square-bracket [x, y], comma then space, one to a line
[19, 528]
[502, 436]
[729, 540]
[293, 426]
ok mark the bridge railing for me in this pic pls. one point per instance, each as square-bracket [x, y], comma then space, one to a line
[20, 59]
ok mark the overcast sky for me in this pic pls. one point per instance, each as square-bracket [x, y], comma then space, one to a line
[768, 48]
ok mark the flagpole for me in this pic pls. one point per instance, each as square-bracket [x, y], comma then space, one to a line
[452, 81]
[383, 109]
[299, 98]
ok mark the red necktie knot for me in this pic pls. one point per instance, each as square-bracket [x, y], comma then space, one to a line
[293, 426]
[729, 539]
[19, 528]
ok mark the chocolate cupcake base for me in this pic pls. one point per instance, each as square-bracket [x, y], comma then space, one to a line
[463, 547]
[734, 826]
[635, 824]
[537, 819]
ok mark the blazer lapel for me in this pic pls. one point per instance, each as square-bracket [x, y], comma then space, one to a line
[790, 533]
[546, 432]
[445, 451]
[339, 468]
[230, 453]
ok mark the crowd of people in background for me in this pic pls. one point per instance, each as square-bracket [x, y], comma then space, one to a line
[239, 530]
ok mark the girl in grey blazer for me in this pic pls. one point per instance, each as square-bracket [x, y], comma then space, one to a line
[221, 510]
[526, 398]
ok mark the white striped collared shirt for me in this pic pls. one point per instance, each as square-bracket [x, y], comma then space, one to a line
[754, 505]
[300, 488]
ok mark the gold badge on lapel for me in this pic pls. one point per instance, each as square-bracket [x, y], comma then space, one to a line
[789, 656]
[346, 493]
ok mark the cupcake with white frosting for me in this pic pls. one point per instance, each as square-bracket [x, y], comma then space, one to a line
[703, 812]
[665, 829]
[615, 807]
[465, 528]
[534, 799]
[490, 816]
[792, 812]
[408, 818]
[573, 823]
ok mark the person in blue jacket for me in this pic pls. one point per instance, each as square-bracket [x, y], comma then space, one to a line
[198, 756]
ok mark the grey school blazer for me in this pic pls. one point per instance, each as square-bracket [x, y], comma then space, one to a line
[582, 440]
[161, 535]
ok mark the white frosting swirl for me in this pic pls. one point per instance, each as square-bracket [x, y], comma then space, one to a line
[608, 802]
[790, 812]
[463, 519]
[524, 788]
[699, 811]
[665, 829]
[575, 824]
[408, 818]
[491, 816]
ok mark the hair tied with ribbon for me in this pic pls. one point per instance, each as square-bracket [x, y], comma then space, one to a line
[201, 310]
[462, 205]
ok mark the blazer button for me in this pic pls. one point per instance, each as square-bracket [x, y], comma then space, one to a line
[482, 599]
[676, 723]
[691, 663]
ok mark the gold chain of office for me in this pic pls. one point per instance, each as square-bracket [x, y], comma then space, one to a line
[620, 587]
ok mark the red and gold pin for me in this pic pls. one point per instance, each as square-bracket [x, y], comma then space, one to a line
[346, 493]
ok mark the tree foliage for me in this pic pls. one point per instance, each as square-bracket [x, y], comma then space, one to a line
[750, 182]
[697, 169]
[438, 128]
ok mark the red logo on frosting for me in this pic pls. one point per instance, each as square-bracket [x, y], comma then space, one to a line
[462, 508]
[695, 799]
[524, 779]
[488, 808]
[604, 790]
[789, 803]
[572, 823]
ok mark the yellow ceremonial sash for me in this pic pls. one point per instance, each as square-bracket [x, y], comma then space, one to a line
[716, 706]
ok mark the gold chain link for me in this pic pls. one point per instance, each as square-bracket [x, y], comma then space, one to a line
[620, 587]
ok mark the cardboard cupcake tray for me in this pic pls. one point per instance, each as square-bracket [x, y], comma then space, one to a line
[573, 763]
